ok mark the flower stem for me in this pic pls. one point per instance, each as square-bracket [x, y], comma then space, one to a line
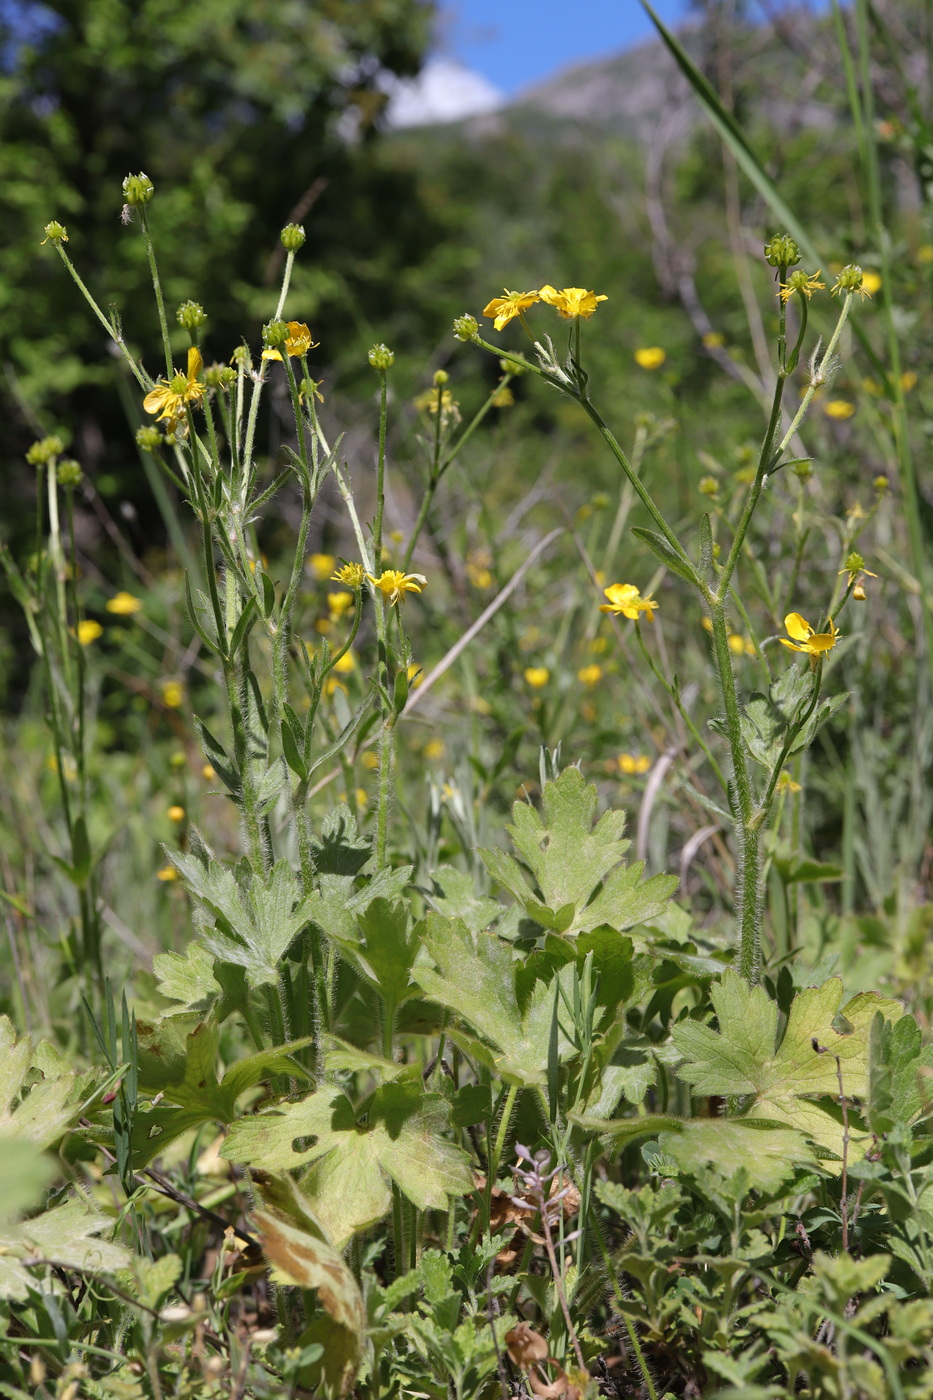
[157, 288]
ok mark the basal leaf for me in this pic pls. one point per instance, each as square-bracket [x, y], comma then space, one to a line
[767, 1153]
[66, 1235]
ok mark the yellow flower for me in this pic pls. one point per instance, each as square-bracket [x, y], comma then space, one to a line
[908, 380]
[839, 409]
[713, 339]
[167, 874]
[925, 253]
[176, 813]
[393, 584]
[434, 748]
[855, 568]
[123, 604]
[625, 598]
[299, 342]
[369, 759]
[811, 642]
[362, 797]
[537, 676]
[169, 397]
[415, 675]
[511, 304]
[503, 398]
[345, 664]
[871, 282]
[88, 631]
[350, 574]
[173, 695]
[322, 625]
[321, 566]
[208, 772]
[590, 675]
[800, 281]
[339, 603]
[571, 302]
[650, 357]
[785, 783]
[630, 763]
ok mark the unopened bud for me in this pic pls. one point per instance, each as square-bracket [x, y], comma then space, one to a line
[881, 484]
[69, 473]
[275, 334]
[293, 237]
[782, 251]
[44, 450]
[191, 315]
[149, 439]
[55, 233]
[381, 357]
[803, 470]
[137, 189]
[441, 377]
[466, 328]
[709, 486]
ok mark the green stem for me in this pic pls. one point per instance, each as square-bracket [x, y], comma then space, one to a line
[380, 473]
[675, 696]
[108, 326]
[495, 1156]
[157, 288]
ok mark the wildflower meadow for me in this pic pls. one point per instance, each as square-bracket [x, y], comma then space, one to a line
[466, 819]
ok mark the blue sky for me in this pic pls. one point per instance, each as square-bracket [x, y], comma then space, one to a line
[516, 42]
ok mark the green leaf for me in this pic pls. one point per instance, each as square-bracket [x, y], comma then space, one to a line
[53, 1103]
[188, 977]
[706, 546]
[900, 1074]
[67, 1235]
[475, 975]
[576, 866]
[744, 1057]
[797, 869]
[390, 946]
[668, 556]
[397, 1134]
[25, 1172]
[625, 1130]
[216, 755]
[769, 1155]
[456, 897]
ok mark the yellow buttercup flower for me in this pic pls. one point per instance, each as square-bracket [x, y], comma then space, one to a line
[173, 695]
[839, 409]
[590, 675]
[393, 584]
[537, 676]
[352, 575]
[714, 339]
[625, 598]
[415, 674]
[812, 642]
[88, 631]
[511, 304]
[650, 357]
[299, 342]
[169, 397]
[634, 763]
[167, 874]
[345, 664]
[176, 813]
[571, 302]
[339, 603]
[434, 749]
[123, 604]
[321, 566]
[871, 283]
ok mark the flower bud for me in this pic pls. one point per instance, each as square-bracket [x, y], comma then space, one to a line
[43, 451]
[55, 233]
[441, 377]
[381, 357]
[137, 189]
[275, 334]
[709, 486]
[191, 315]
[69, 473]
[512, 367]
[293, 237]
[849, 279]
[149, 439]
[803, 470]
[881, 485]
[853, 562]
[466, 328]
[782, 251]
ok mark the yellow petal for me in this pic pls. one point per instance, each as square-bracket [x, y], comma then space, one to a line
[798, 627]
[194, 362]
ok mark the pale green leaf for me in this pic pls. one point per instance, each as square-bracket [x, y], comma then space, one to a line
[67, 1236]
[769, 1155]
[188, 977]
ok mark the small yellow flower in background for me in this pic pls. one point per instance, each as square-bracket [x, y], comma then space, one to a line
[123, 604]
[173, 695]
[169, 397]
[480, 705]
[176, 813]
[362, 797]
[858, 593]
[369, 759]
[345, 664]
[598, 645]
[208, 772]
[634, 763]
[299, 342]
[511, 304]
[429, 401]
[339, 603]
[811, 642]
[571, 303]
[600, 577]
[713, 340]
[871, 282]
[650, 357]
[908, 380]
[167, 874]
[802, 282]
[785, 783]
[925, 253]
[871, 386]
[503, 398]
[590, 675]
[322, 565]
[537, 676]
[736, 644]
[477, 568]
[434, 748]
[625, 598]
[707, 624]
[322, 625]
[839, 409]
[350, 574]
[332, 685]
[88, 631]
[393, 584]
[415, 675]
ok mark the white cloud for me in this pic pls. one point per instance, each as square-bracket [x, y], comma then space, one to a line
[444, 91]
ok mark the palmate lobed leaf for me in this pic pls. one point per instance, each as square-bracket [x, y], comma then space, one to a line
[743, 1056]
[66, 1235]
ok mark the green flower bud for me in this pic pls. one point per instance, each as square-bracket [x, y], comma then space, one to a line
[69, 473]
[881, 484]
[148, 438]
[466, 328]
[854, 562]
[241, 356]
[137, 189]
[441, 377]
[709, 486]
[55, 233]
[782, 251]
[275, 334]
[43, 451]
[600, 501]
[381, 357]
[191, 315]
[512, 367]
[293, 237]
[803, 470]
[220, 376]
